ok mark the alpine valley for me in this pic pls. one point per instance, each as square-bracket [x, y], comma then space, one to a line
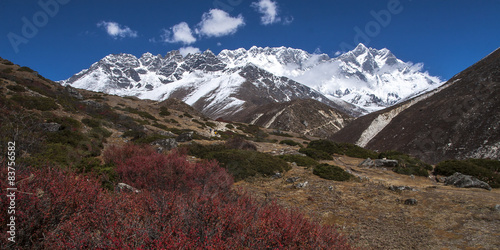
[239, 84]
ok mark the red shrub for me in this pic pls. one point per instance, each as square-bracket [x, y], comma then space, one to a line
[181, 205]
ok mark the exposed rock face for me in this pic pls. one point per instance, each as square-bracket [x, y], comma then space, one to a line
[379, 163]
[458, 120]
[466, 181]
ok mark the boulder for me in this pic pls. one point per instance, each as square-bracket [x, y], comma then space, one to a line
[184, 137]
[301, 185]
[411, 202]
[386, 163]
[165, 144]
[73, 92]
[401, 188]
[465, 181]
[122, 187]
[50, 127]
[367, 163]
[379, 163]
[292, 179]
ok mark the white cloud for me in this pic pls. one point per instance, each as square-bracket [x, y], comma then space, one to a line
[269, 11]
[179, 33]
[116, 30]
[338, 53]
[189, 50]
[219, 23]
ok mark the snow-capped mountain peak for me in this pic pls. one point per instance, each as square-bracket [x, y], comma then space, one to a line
[368, 78]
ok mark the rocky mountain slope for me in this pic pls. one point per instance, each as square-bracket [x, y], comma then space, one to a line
[457, 120]
[356, 82]
[303, 116]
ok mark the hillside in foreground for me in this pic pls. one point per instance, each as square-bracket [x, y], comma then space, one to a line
[90, 165]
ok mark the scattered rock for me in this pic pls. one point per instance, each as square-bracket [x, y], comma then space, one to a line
[466, 181]
[497, 207]
[386, 163]
[122, 187]
[50, 127]
[277, 175]
[165, 144]
[73, 92]
[301, 185]
[330, 188]
[185, 137]
[401, 188]
[93, 104]
[167, 133]
[411, 202]
[294, 164]
[367, 163]
[292, 179]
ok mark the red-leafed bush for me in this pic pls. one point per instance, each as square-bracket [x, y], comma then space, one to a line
[181, 205]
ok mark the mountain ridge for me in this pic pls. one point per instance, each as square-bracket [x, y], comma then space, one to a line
[455, 121]
[125, 74]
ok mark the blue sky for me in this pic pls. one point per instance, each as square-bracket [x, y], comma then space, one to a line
[58, 38]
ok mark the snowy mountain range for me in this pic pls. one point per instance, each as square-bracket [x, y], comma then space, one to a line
[357, 82]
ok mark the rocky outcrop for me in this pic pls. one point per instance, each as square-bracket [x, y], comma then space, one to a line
[369, 163]
[165, 144]
[466, 181]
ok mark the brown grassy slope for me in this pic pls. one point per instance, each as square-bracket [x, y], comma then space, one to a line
[375, 217]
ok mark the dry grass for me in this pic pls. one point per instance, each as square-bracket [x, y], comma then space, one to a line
[375, 217]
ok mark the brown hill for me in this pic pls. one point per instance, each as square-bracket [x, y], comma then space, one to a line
[303, 116]
[458, 120]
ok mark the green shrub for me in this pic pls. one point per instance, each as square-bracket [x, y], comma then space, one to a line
[7, 70]
[164, 111]
[348, 149]
[16, 88]
[65, 121]
[406, 164]
[135, 134]
[106, 173]
[35, 102]
[485, 170]
[316, 154]
[188, 115]
[99, 133]
[331, 172]
[25, 69]
[303, 161]
[243, 163]
[229, 126]
[240, 163]
[210, 124]
[240, 143]
[283, 134]
[93, 123]
[290, 143]
[161, 126]
[149, 139]
[143, 114]
[196, 121]
[172, 121]
[66, 136]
